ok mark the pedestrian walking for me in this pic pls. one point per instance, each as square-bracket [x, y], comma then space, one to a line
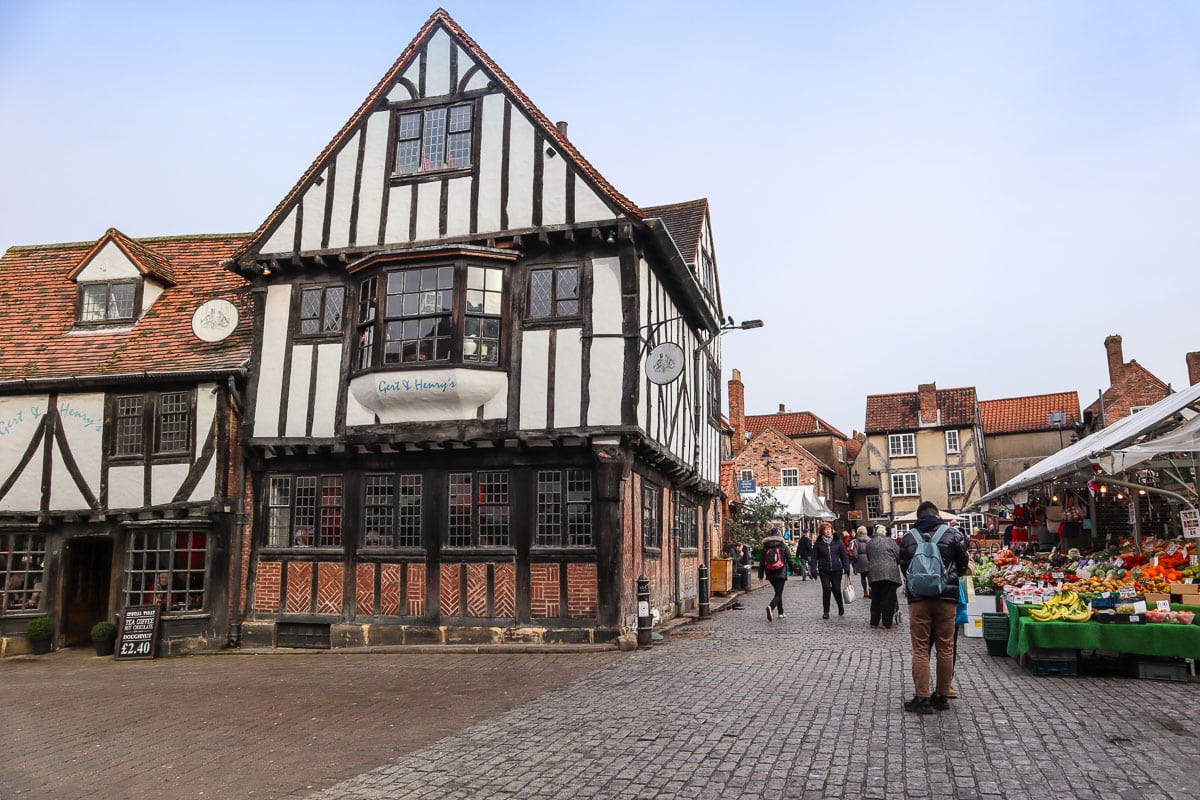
[804, 555]
[932, 557]
[862, 558]
[830, 561]
[882, 554]
[774, 565]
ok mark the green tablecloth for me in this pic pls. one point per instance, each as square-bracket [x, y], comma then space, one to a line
[1169, 640]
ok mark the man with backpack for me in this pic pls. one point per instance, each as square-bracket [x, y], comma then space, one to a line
[775, 564]
[933, 556]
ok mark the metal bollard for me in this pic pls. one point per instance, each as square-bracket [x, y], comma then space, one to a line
[645, 621]
[705, 600]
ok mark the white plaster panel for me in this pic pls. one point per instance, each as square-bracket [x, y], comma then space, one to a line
[497, 407]
[64, 492]
[588, 205]
[437, 64]
[206, 410]
[606, 295]
[554, 189]
[374, 175]
[604, 388]
[270, 371]
[125, 487]
[458, 207]
[491, 141]
[520, 172]
[399, 204]
[312, 223]
[300, 379]
[413, 73]
[399, 93]
[478, 81]
[110, 264]
[81, 418]
[535, 361]
[644, 396]
[151, 291]
[329, 368]
[165, 481]
[568, 377]
[429, 209]
[343, 192]
[206, 487]
[356, 413]
[283, 236]
[19, 419]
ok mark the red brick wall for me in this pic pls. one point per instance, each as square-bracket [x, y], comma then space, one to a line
[389, 589]
[782, 453]
[737, 410]
[416, 590]
[505, 580]
[477, 590]
[581, 591]
[451, 597]
[543, 591]
[329, 588]
[266, 587]
[299, 590]
[364, 589]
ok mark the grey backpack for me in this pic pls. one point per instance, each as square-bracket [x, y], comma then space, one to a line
[927, 574]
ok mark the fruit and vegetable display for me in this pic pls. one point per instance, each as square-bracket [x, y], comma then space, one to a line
[1063, 606]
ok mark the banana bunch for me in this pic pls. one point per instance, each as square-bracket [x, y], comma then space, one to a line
[1063, 607]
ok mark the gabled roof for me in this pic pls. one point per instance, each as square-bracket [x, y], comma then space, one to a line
[440, 18]
[685, 221]
[147, 261]
[1133, 381]
[767, 432]
[899, 412]
[41, 340]
[1028, 414]
[792, 423]
[853, 448]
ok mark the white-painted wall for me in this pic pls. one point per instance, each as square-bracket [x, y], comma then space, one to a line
[568, 396]
[19, 419]
[270, 372]
[125, 487]
[328, 377]
[535, 360]
[110, 264]
[165, 480]
[298, 382]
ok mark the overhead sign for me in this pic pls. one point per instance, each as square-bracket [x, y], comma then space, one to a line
[214, 320]
[853, 515]
[664, 363]
[746, 486]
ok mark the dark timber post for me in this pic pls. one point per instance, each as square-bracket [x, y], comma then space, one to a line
[705, 605]
[645, 621]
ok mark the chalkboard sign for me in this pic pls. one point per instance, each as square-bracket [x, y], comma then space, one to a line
[139, 633]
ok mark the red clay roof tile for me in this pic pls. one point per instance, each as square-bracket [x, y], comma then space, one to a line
[1025, 414]
[899, 412]
[791, 423]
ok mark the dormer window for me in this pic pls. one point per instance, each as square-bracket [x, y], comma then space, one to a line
[107, 302]
[434, 139]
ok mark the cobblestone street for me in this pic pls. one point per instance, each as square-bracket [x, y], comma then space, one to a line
[732, 707]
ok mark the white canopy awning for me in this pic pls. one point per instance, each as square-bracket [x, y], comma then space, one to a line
[1185, 439]
[798, 501]
[1140, 428]
[944, 516]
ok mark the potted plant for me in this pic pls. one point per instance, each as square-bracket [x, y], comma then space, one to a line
[39, 630]
[104, 636]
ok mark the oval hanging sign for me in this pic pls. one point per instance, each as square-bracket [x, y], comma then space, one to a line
[214, 320]
[664, 363]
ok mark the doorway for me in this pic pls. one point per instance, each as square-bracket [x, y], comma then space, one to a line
[87, 576]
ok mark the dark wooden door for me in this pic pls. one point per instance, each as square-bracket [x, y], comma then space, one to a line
[86, 580]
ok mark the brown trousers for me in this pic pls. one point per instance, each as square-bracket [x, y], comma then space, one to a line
[932, 620]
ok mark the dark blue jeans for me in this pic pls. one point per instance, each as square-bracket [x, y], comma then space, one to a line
[831, 584]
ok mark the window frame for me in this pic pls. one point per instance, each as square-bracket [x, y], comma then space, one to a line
[904, 476]
[955, 448]
[187, 565]
[652, 514]
[397, 529]
[22, 559]
[151, 424]
[789, 472]
[554, 317]
[687, 523]
[372, 319]
[962, 484]
[562, 533]
[476, 505]
[877, 511]
[108, 321]
[322, 311]
[322, 521]
[897, 442]
[396, 175]
[745, 475]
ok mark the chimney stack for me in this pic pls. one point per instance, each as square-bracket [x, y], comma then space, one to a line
[929, 410]
[562, 128]
[1193, 362]
[1116, 359]
[782, 409]
[737, 411]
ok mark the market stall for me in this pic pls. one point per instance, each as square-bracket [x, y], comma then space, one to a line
[1163, 639]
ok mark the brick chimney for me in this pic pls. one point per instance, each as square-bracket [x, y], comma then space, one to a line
[782, 408]
[929, 410]
[1116, 359]
[737, 411]
[1193, 362]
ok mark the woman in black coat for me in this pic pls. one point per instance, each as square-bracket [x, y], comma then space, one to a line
[831, 562]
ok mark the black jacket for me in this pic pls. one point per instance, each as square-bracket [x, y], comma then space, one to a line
[777, 543]
[954, 555]
[830, 557]
[804, 549]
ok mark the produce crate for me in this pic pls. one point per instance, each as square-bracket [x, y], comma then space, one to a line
[997, 647]
[1162, 669]
[1045, 668]
[1107, 664]
[1053, 654]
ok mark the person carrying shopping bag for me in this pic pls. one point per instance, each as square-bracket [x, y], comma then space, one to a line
[830, 561]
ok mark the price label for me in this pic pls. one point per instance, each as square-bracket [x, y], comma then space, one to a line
[1194, 560]
[1127, 592]
[1172, 549]
[1135, 618]
[1164, 605]
[1058, 576]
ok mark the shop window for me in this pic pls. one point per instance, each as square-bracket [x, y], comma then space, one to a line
[564, 508]
[167, 569]
[22, 560]
[479, 509]
[902, 444]
[321, 310]
[651, 516]
[392, 510]
[304, 511]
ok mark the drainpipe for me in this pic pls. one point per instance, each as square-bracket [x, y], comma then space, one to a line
[235, 624]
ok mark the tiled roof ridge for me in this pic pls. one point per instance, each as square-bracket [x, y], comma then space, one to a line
[700, 201]
[439, 16]
[1030, 397]
[828, 428]
[791, 442]
[150, 259]
[144, 240]
[914, 391]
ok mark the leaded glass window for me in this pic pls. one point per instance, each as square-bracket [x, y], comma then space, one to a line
[106, 302]
[321, 310]
[554, 292]
[433, 139]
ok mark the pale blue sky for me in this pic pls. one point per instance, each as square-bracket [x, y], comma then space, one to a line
[969, 193]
